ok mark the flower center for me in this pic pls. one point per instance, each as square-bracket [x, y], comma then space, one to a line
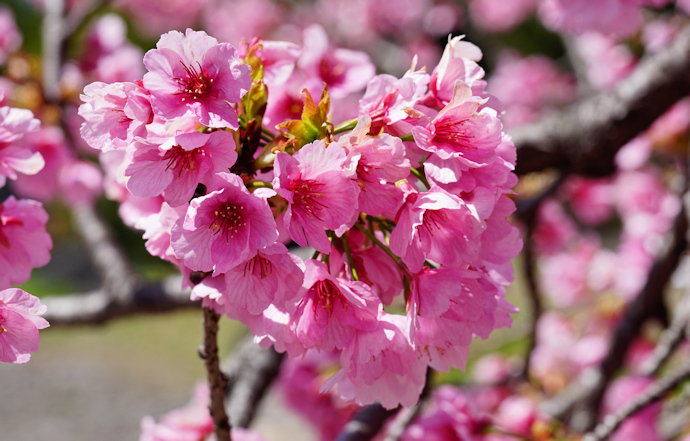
[453, 132]
[258, 266]
[196, 84]
[227, 221]
[331, 71]
[326, 294]
[431, 221]
[307, 196]
[180, 159]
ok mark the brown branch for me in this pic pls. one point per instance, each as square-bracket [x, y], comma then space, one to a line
[250, 374]
[670, 338]
[585, 137]
[654, 393]
[580, 402]
[216, 379]
[366, 423]
[98, 307]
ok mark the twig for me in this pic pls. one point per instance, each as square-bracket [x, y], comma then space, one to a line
[580, 402]
[585, 137]
[655, 392]
[216, 379]
[670, 338]
[250, 374]
[527, 212]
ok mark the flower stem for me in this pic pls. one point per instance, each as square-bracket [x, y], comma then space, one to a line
[345, 127]
[407, 138]
[378, 242]
[419, 175]
[258, 184]
[349, 258]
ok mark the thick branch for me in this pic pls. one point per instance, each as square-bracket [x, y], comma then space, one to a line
[585, 137]
[99, 306]
[366, 424]
[216, 379]
[117, 276]
[580, 402]
[250, 374]
[53, 37]
[654, 393]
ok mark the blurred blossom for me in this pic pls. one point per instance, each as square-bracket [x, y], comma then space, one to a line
[658, 34]
[51, 144]
[10, 38]
[606, 61]
[619, 17]
[80, 182]
[154, 17]
[528, 86]
[493, 16]
[248, 18]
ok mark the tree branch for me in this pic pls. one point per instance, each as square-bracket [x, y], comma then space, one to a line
[366, 423]
[216, 379]
[250, 374]
[580, 402]
[585, 137]
[99, 306]
[670, 338]
[654, 393]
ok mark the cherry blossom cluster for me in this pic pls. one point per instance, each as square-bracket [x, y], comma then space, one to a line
[405, 206]
[24, 242]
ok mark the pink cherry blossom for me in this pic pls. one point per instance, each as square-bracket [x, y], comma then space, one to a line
[373, 265]
[114, 114]
[461, 130]
[175, 167]
[270, 276]
[387, 98]
[330, 311]
[343, 70]
[277, 57]
[192, 74]
[436, 225]
[380, 162]
[320, 192]
[224, 228]
[458, 62]
[380, 365]
[24, 242]
[19, 325]
[14, 123]
[447, 307]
